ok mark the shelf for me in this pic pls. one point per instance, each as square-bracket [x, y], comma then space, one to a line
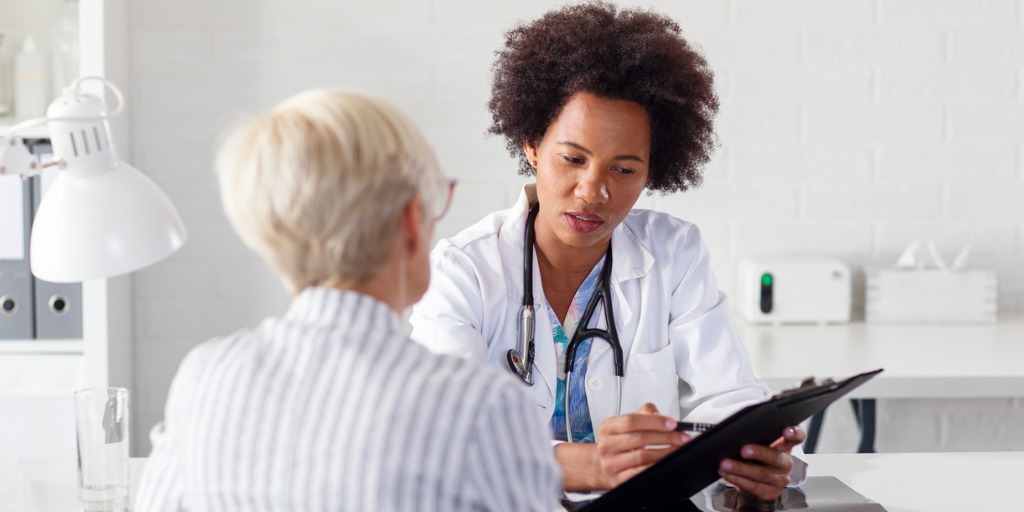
[38, 376]
[41, 347]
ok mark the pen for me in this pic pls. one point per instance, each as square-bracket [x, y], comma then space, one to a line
[694, 427]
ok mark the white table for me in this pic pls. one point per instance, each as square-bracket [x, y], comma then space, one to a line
[930, 482]
[901, 482]
[920, 361]
[45, 485]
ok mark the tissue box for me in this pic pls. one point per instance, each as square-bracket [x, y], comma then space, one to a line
[930, 295]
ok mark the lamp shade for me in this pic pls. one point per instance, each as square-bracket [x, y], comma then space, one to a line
[100, 217]
[102, 225]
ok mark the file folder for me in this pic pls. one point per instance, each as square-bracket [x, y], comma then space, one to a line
[670, 482]
[58, 306]
[16, 304]
[58, 310]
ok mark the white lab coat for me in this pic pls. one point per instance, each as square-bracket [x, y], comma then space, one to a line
[681, 349]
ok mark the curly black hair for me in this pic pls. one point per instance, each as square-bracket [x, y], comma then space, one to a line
[631, 54]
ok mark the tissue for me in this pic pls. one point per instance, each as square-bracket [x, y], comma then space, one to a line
[921, 287]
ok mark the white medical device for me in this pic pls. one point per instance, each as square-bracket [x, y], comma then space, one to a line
[793, 290]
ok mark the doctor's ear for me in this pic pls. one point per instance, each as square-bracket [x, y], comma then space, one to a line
[531, 153]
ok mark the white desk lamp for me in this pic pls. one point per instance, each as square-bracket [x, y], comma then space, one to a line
[101, 217]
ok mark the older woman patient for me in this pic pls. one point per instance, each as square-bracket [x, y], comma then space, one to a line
[331, 406]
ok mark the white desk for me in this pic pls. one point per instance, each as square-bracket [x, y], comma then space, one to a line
[901, 482]
[45, 485]
[920, 361]
[929, 482]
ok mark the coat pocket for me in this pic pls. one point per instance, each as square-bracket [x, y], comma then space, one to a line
[652, 378]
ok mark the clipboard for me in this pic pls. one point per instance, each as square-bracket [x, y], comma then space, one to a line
[669, 483]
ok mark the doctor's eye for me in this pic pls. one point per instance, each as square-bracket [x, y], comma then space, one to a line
[574, 160]
[624, 170]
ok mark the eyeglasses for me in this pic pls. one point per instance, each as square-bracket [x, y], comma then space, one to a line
[450, 193]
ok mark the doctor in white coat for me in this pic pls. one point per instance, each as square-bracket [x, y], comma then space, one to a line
[599, 119]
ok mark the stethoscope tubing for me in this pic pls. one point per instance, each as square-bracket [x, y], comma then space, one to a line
[610, 334]
[520, 359]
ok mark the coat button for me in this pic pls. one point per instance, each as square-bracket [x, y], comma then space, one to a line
[595, 383]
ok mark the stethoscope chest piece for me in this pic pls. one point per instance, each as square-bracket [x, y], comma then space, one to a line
[518, 366]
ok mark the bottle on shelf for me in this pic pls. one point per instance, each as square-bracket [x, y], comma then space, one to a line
[64, 49]
[30, 86]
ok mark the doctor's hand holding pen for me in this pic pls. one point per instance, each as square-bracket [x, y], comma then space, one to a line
[620, 451]
[630, 443]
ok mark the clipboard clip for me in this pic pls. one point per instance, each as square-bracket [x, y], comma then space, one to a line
[806, 384]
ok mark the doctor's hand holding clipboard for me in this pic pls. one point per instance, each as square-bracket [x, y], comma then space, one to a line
[609, 315]
[631, 443]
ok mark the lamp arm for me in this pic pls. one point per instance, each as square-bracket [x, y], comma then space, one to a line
[25, 124]
[15, 158]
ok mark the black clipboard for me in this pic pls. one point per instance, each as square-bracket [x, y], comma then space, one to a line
[673, 480]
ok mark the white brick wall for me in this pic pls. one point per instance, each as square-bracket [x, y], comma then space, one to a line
[848, 127]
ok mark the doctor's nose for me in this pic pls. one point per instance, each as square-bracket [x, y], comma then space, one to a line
[591, 187]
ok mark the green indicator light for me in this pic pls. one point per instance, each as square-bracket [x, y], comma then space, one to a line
[766, 279]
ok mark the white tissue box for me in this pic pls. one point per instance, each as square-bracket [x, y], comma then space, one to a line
[930, 295]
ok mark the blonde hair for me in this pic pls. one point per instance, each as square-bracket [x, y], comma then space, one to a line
[318, 186]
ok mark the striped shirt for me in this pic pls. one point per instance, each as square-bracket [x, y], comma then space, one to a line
[332, 407]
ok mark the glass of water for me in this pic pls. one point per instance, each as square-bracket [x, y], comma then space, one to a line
[101, 424]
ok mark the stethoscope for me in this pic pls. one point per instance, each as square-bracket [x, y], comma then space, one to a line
[527, 326]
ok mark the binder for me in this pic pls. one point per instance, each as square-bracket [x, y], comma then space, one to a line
[58, 306]
[58, 310]
[671, 482]
[16, 304]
